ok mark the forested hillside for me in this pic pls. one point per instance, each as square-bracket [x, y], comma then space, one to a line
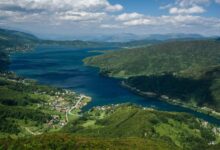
[185, 70]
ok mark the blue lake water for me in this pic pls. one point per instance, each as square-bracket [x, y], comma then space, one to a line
[63, 67]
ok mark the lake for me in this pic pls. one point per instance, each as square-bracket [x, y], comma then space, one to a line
[63, 67]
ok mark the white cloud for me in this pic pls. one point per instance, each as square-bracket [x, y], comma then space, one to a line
[59, 5]
[81, 16]
[187, 3]
[129, 16]
[191, 10]
[134, 19]
[137, 22]
[74, 10]
[116, 7]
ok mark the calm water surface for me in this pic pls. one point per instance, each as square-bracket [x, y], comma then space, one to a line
[63, 67]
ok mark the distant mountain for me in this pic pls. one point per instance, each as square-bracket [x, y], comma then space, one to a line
[127, 37]
[121, 37]
[174, 36]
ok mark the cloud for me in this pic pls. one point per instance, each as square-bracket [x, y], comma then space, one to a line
[113, 8]
[129, 16]
[134, 19]
[111, 26]
[58, 5]
[81, 16]
[191, 10]
[187, 3]
[137, 22]
[74, 10]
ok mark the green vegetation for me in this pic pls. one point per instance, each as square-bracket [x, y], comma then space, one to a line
[68, 141]
[125, 127]
[177, 57]
[185, 70]
[28, 108]
[122, 121]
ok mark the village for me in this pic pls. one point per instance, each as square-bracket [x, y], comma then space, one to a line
[63, 104]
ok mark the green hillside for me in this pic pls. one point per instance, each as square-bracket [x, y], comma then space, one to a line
[125, 127]
[178, 57]
[184, 71]
[69, 142]
[122, 121]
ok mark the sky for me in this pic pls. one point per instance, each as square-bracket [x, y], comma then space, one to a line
[77, 18]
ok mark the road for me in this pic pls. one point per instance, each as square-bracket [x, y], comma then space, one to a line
[73, 107]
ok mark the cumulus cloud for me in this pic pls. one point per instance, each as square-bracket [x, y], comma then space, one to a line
[191, 10]
[59, 9]
[58, 5]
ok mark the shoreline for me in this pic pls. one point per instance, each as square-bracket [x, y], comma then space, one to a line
[164, 98]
